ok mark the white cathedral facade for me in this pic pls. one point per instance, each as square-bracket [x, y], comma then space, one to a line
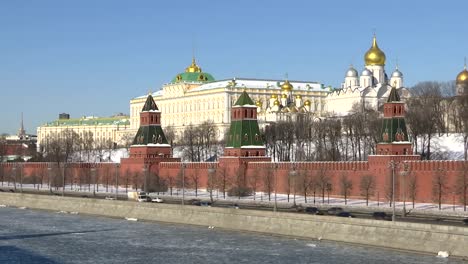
[370, 89]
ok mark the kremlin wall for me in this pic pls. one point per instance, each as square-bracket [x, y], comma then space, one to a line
[244, 164]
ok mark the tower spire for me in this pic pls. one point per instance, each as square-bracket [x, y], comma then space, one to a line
[21, 131]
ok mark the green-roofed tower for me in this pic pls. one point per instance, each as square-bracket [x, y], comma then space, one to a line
[394, 138]
[150, 140]
[244, 137]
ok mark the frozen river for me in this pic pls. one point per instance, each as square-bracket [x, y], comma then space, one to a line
[30, 236]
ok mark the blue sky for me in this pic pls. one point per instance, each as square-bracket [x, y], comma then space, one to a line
[91, 57]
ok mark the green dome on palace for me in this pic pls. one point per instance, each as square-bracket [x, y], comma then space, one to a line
[193, 73]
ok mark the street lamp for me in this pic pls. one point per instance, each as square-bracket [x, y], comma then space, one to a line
[93, 175]
[145, 171]
[117, 167]
[49, 170]
[63, 179]
[21, 177]
[183, 183]
[393, 165]
[275, 166]
[211, 171]
[292, 174]
[404, 174]
[14, 177]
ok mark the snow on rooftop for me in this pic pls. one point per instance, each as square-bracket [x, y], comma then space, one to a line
[260, 84]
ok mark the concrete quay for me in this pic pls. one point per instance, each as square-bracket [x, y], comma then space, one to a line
[401, 236]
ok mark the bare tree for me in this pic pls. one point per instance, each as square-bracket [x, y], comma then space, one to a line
[223, 182]
[461, 186]
[367, 187]
[439, 186]
[254, 181]
[323, 181]
[269, 181]
[346, 185]
[412, 188]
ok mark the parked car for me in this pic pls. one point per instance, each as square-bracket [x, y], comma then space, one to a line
[381, 216]
[313, 210]
[109, 198]
[465, 221]
[157, 200]
[204, 203]
[345, 214]
[194, 202]
[334, 210]
[234, 206]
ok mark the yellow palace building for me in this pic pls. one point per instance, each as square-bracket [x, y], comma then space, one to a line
[193, 97]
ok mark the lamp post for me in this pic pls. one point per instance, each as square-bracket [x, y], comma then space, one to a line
[404, 174]
[293, 173]
[117, 167]
[14, 177]
[93, 175]
[183, 183]
[211, 171]
[392, 166]
[275, 207]
[21, 177]
[49, 170]
[145, 172]
[63, 179]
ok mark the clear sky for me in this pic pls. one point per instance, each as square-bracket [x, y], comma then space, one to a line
[91, 57]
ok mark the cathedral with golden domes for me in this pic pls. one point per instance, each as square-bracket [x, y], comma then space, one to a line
[370, 89]
[462, 82]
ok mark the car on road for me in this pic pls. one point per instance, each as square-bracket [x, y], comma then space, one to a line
[194, 202]
[345, 214]
[334, 210]
[234, 206]
[313, 210]
[465, 221]
[381, 216]
[109, 198]
[157, 200]
[204, 203]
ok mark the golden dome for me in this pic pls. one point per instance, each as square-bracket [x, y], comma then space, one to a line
[298, 96]
[462, 77]
[258, 103]
[307, 102]
[276, 102]
[274, 96]
[193, 67]
[374, 56]
[284, 96]
[286, 86]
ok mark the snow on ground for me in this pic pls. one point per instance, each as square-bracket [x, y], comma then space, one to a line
[262, 198]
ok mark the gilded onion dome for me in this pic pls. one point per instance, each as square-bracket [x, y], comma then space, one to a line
[374, 56]
[274, 96]
[462, 77]
[193, 67]
[286, 86]
[284, 96]
[307, 102]
[258, 103]
[276, 102]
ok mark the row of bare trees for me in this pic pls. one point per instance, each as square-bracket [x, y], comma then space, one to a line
[352, 137]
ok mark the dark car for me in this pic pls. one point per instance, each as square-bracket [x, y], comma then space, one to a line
[465, 221]
[195, 202]
[207, 204]
[380, 216]
[345, 214]
[334, 210]
[312, 210]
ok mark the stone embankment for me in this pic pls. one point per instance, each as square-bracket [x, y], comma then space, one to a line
[402, 236]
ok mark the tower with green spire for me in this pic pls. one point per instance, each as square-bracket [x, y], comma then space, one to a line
[150, 141]
[394, 139]
[244, 138]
